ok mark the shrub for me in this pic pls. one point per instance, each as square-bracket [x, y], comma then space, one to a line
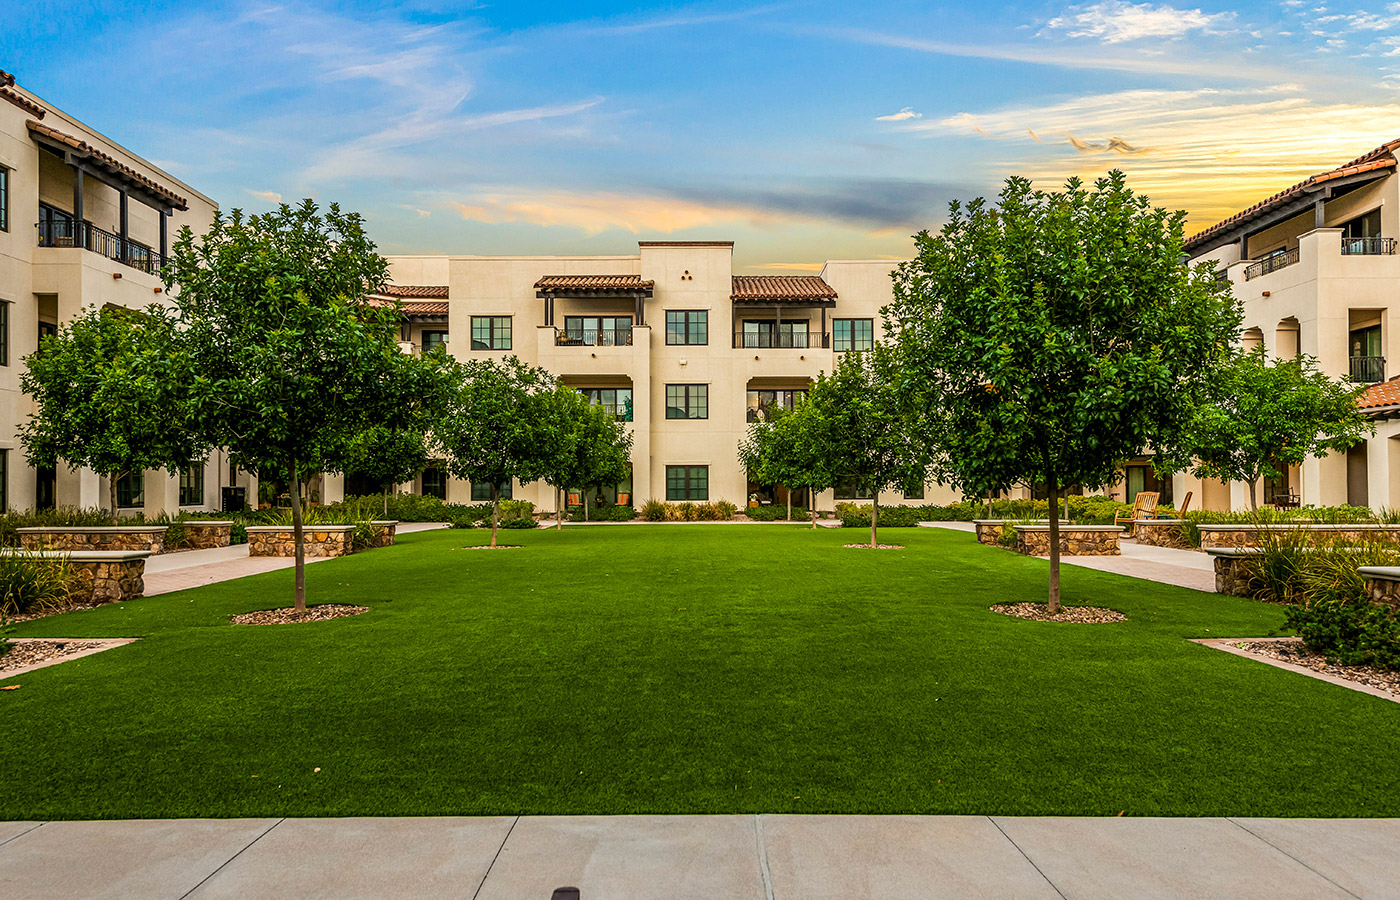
[654, 511]
[777, 513]
[365, 535]
[5, 629]
[657, 511]
[59, 516]
[514, 514]
[604, 514]
[1350, 630]
[853, 516]
[30, 582]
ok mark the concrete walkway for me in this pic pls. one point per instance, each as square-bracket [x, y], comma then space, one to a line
[703, 857]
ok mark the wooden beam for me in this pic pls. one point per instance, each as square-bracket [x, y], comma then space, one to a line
[77, 205]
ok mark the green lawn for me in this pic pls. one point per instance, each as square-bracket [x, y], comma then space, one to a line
[685, 669]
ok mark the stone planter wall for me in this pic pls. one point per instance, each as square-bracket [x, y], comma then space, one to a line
[207, 534]
[989, 530]
[1075, 540]
[96, 538]
[103, 576]
[1383, 585]
[387, 533]
[1161, 533]
[1245, 536]
[1230, 577]
[317, 540]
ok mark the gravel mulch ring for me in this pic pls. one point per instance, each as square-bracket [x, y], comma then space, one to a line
[497, 547]
[28, 652]
[876, 547]
[1080, 615]
[1294, 651]
[44, 613]
[289, 616]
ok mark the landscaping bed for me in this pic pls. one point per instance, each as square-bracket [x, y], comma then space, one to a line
[26, 653]
[1040, 612]
[1294, 651]
[320, 612]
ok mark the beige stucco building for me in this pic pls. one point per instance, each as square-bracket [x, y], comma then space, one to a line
[1316, 270]
[83, 222]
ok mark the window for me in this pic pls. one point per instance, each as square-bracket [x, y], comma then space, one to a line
[434, 340]
[617, 401]
[597, 331]
[192, 486]
[914, 492]
[687, 401]
[131, 490]
[4, 199]
[853, 334]
[687, 326]
[761, 402]
[847, 489]
[435, 481]
[4, 332]
[687, 482]
[1366, 226]
[490, 332]
[5, 481]
[55, 227]
[482, 491]
[765, 333]
[45, 485]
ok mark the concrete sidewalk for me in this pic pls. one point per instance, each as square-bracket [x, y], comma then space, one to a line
[768, 857]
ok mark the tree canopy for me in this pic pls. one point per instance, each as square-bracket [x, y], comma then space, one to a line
[595, 448]
[1054, 335]
[788, 447]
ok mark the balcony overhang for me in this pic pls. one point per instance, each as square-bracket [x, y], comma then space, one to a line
[594, 287]
[788, 291]
[107, 169]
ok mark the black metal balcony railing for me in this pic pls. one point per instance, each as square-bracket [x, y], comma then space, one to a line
[58, 233]
[1368, 369]
[797, 340]
[1368, 246]
[1271, 264]
[594, 337]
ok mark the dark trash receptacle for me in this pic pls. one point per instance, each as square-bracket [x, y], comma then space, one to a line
[235, 499]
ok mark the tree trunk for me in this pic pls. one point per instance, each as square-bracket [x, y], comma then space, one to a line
[297, 540]
[112, 493]
[386, 501]
[812, 505]
[495, 509]
[789, 493]
[1253, 504]
[874, 519]
[1054, 603]
[585, 504]
[989, 504]
[559, 507]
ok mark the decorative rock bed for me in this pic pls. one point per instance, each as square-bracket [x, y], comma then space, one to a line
[206, 534]
[989, 530]
[322, 612]
[876, 547]
[99, 576]
[1079, 615]
[1213, 536]
[1075, 540]
[317, 540]
[150, 538]
[1161, 533]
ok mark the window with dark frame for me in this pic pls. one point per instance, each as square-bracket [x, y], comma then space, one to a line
[192, 486]
[491, 332]
[435, 481]
[687, 401]
[481, 491]
[687, 327]
[761, 403]
[598, 331]
[131, 490]
[617, 401]
[434, 340]
[848, 489]
[4, 199]
[4, 332]
[687, 482]
[4, 481]
[852, 334]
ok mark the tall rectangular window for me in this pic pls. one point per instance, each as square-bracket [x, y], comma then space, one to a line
[852, 334]
[4, 199]
[597, 331]
[4, 332]
[490, 332]
[687, 401]
[687, 482]
[192, 486]
[617, 401]
[482, 491]
[131, 490]
[435, 481]
[5, 481]
[762, 403]
[687, 326]
[434, 340]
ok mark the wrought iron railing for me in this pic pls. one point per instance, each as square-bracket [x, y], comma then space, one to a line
[1368, 369]
[797, 340]
[60, 233]
[1271, 264]
[1368, 246]
[593, 337]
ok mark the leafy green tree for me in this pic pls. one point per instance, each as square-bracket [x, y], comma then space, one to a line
[594, 448]
[291, 359]
[384, 457]
[1267, 416]
[863, 422]
[788, 448]
[1052, 336]
[111, 392]
[499, 425]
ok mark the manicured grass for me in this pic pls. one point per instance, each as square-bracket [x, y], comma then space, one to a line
[697, 669]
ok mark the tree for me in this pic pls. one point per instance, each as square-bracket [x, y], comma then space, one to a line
[864, 429]
[499, 425]
[385, 457]
[111, 394]
[1267, 416]
[1055, 335]
[291, 361]
[788, 448]
[594, 449]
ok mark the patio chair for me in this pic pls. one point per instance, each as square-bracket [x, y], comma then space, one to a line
[1181, 513]
[1144, 507]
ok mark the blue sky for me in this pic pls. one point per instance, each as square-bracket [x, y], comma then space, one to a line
[801, 130]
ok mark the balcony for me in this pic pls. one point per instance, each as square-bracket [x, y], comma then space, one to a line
[1367, 369]
[767, 340]
[593, 337]
[1271, 264]
[59, 233]
[1368, 246]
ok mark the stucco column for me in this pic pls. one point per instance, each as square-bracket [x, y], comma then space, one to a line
[162, 493]
[1378, 483]
[1324, 480]
[641, 415]
[332, 488]
[1239, 495]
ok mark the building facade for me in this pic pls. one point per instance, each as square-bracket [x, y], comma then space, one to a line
[83, 222]
[1316, 270]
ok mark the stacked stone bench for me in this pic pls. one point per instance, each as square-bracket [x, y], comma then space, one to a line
[1230, 575]
[317, 540]
[1382, 585]
[1161, 533]
[1075, 540]
[98, 576]
[989, 530]
[1219, 536]
[388, 529]
[77, 539]
[206, 534]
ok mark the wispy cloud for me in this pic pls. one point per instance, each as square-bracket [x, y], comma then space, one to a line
[683, 18]
[1116, 22]
[905, 113]
[602, 211]
[789, 266]
[269, 196]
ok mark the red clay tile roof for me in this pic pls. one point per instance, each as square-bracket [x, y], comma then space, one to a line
[781, 288]
[434, 291]
[593, 284]
[1385, 393]
[18, 99]
[6, 78]
[1383, 157]
[108, 162]
[424, 308]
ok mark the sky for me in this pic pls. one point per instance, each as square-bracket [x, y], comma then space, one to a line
[803, 131]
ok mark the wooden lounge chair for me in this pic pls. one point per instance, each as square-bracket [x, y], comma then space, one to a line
[1144, 507]
[1181, 513]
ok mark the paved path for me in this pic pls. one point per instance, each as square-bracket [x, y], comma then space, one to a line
[196, 568]
[739, 857]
